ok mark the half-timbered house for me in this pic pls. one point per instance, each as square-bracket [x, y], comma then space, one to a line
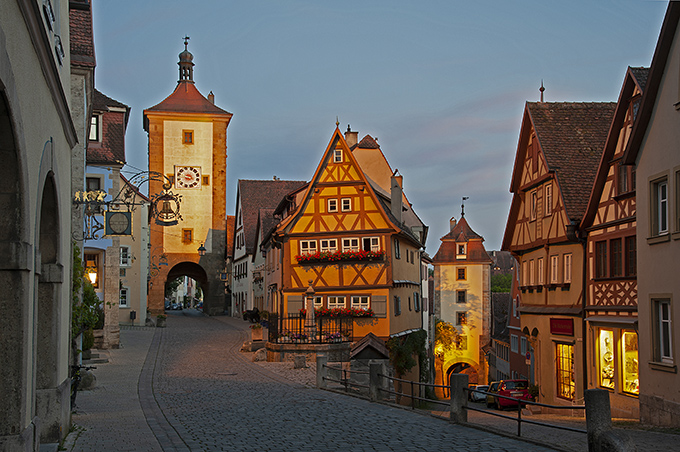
[560, 146]
[611, 301]
[354, 242]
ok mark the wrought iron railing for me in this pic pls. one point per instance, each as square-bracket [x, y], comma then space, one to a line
[325, 330]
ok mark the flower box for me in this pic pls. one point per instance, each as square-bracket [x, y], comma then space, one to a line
[340, 256]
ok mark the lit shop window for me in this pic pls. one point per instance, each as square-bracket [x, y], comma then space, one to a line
[565, 371]
[606, 352]
[629, 351]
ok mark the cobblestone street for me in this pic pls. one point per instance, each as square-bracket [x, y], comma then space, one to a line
[211, 397]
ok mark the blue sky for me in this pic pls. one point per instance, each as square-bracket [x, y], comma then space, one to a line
[441, 84]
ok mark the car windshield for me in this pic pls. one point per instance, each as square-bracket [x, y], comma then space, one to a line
[515, 385]
[493, 386]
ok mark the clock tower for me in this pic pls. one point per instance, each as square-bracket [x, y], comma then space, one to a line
[188, 146]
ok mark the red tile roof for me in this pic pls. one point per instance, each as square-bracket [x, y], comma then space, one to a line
[368, 142]
[111, 149]
[81, 36]
[260, 194]
[572, 137]
[462, 233]
[187, 99]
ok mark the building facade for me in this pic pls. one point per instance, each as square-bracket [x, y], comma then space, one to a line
[611, 299]
[558, 153]
[462, 270]
[188, 154]
[653, 150]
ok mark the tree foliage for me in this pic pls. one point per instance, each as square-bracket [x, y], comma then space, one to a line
[85, 313]
[171, 286]
[501, 283]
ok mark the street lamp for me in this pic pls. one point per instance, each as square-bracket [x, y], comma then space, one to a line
[201, 250]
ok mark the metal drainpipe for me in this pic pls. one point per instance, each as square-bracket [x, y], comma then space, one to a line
[584, 288]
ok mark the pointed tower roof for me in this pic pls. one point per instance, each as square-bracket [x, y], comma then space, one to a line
[462, 233]
[185, 98]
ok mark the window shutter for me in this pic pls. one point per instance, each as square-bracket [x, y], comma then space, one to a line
[294, 304]
[379, 305]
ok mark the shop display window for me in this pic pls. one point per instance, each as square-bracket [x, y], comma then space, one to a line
[606, 358]
[629, 352]
[565, 371]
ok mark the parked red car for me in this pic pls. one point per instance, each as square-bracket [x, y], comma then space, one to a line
[511, 388]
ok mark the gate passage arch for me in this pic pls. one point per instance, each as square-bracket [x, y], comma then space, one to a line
[192, 270]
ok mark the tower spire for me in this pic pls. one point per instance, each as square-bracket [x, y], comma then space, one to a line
[541, 89]
[186, 64]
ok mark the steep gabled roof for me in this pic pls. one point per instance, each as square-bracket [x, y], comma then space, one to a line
[656, 71]
[111, 149]
[260, 194]
[462, 232]
[635, 78]
[572, 137]
[81, 37]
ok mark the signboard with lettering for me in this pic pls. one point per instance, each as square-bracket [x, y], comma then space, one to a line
[563, 327]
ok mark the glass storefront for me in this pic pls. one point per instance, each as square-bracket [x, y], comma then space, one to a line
[565, 370]
[629, 372]
[606, 354]
[617, 360]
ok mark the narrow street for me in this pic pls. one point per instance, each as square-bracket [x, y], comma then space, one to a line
[207, 396]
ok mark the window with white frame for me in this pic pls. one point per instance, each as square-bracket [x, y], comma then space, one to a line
[95, 128]
[541, 272]
[125, 256]
[532, 272]
[397, 251]
[548, 199]
[525, 270]
[318, 302]
[346, 204]
[514, 343]
[361, 301]
[329, 245]
[662, 333]
[554, 269]
[332, 205]
[124, 297]
[397, 305]
[337, 156]
[307, 247]
[370, 243]
[660, 206]
[336, 302]
[350, 244]
[567, 268]
[533, 205]
[461, 250]
[523, 345]
[416, 301]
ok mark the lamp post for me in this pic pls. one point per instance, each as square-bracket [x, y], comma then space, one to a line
[310, 322]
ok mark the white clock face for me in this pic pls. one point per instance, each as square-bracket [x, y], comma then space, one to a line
[187, 177]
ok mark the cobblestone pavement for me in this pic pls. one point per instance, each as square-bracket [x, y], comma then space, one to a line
[216, 399]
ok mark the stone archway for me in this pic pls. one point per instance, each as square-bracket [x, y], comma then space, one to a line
[193, 271]
[15, 275]
[51, 395]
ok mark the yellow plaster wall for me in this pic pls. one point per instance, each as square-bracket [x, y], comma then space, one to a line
[196, 206]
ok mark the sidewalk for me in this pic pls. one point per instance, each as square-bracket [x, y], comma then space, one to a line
[110, 416]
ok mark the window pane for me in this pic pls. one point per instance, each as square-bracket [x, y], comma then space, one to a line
[631, 256]
[606, 358]
[601, 259]
[616, 268]
[565, 370]
[631, 382]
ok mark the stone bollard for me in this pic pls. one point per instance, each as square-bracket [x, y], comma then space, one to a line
[321, 371]
[601, 436]
[375, 381]
[458, 384]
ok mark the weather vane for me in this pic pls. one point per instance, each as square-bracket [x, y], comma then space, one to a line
[186, 42]
[462, 206]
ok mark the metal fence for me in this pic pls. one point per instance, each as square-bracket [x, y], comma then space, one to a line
[325, 330]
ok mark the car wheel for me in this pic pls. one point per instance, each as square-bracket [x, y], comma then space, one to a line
[489, 405]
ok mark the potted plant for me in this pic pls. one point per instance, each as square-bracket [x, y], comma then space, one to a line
[256, 332]
[160, 320]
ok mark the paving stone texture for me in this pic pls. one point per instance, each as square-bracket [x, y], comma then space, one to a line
[187, 387]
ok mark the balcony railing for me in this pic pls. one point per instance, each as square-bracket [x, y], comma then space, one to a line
[326, 330]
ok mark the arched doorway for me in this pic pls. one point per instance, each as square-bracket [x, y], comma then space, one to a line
[15, 275]
[193, 271]
[460, 368]
[49, 394]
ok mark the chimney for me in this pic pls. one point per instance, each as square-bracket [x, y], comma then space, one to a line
[396, 194]
[211, 98]
[452, 223]
[351, 138]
